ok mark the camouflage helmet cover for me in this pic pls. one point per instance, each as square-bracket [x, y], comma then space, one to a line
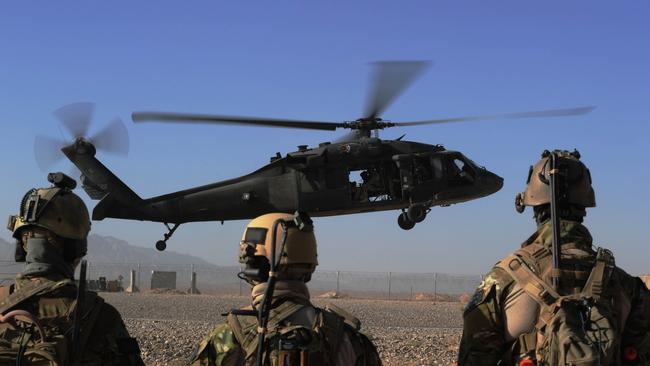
[574, 174]
[299, 253]
[55, 209]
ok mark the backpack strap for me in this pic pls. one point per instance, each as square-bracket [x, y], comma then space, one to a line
[244, 330]
[599, 275]
[540, 291]
[349, 319]
[30, 289]
[331, 325]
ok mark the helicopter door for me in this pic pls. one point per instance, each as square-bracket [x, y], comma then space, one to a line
[323, 189]
[405, 166]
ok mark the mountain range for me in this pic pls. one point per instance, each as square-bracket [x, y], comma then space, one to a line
[108, 249]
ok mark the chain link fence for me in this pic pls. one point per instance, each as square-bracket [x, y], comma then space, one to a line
[212, 279]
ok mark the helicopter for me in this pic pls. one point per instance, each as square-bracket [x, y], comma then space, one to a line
[356, 173]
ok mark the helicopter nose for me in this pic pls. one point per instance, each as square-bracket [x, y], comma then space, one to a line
[492, 183]
[495, 182]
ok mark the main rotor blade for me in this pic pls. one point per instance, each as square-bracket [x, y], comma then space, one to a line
[114, 138]
[47, 151]
[389, 79]
[536, 114]
[76, 117]
[216, 119]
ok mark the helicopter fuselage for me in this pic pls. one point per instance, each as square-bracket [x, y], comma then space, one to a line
[364, 175]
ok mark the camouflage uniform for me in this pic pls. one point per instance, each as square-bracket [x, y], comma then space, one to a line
[40, 309]
[490, 339]
[52, 300]
[235, 342]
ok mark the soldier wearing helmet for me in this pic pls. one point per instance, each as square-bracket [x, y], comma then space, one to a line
[297, 332]
[51, 231]
[510, 319]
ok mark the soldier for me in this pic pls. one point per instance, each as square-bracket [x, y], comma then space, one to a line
[298, 333]
[596, 314]
[40, 312]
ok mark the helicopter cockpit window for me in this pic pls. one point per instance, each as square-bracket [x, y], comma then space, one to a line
[462, 171]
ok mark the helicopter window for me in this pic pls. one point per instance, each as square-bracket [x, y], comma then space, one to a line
[255, 235]
[437, 167]
[422, 170]
[368, 185]
[462, 171]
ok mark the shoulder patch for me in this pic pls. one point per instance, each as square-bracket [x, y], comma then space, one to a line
[482, 291]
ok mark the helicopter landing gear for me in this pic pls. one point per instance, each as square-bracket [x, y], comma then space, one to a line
[416, 213]
[162, 244]
[404, 222]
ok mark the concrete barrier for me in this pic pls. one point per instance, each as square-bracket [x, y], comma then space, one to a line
[163, 279]
[132, 283]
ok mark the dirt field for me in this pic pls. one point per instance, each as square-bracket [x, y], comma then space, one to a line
[169, 327]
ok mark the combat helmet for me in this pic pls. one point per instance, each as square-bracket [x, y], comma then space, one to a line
[56, 209]
[295, 255]
[575, 182]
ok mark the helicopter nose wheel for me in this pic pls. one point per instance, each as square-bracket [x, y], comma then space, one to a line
[416, 213]
[404, 222]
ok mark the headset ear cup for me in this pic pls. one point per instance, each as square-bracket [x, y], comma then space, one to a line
[20, 255]
[519, 202]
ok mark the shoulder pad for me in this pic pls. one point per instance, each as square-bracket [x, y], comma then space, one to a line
[30, 289]
[349, 319]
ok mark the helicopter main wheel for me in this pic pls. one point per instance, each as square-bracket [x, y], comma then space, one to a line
[416, 213]
[161, 245]
[404, 222]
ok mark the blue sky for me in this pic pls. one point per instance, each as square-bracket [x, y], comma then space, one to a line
[310, 60]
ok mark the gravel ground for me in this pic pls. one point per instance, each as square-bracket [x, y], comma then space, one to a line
[169, 327]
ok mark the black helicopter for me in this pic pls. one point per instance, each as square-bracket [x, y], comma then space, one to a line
[357, 173]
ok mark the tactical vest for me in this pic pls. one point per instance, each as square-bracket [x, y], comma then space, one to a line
[577, 325]
[37, 320]
[292, 344]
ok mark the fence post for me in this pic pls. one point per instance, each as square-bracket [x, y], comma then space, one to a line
[139, 276]
[390, 275]
[191, 274]
[338, 277]
[435, 287]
